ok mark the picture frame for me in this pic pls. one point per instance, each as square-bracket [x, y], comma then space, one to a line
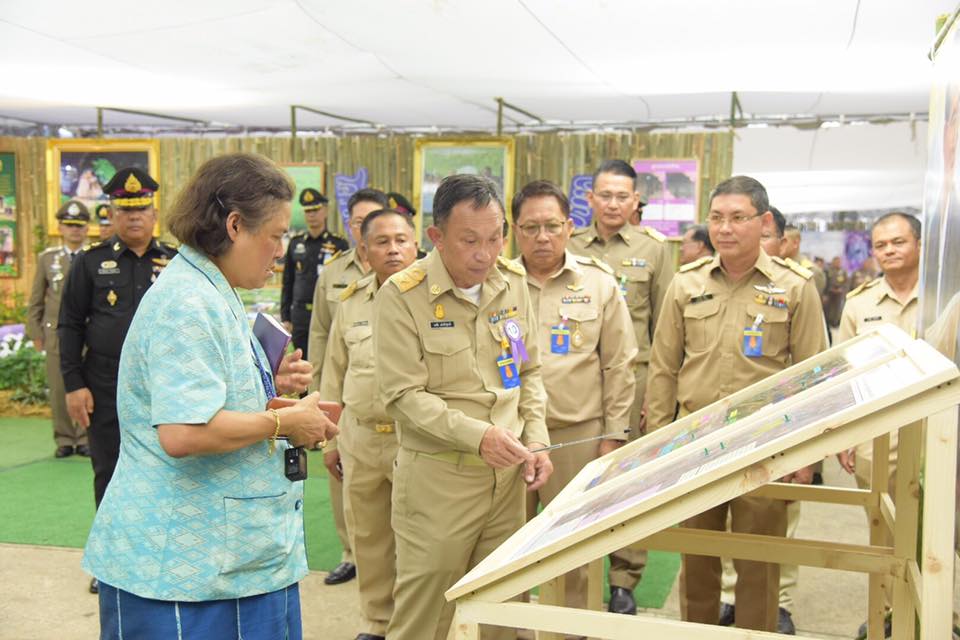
[671, 188]
[10, 240]
[437, 158]
[80, 168]
[306, 174]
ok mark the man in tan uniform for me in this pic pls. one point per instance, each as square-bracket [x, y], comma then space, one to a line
[339, 272]
[587, 345]
[42, 313]
[695, 244]
[367, 445]
[643, 266]
[791, 249]
[700, 355]
[458, 367]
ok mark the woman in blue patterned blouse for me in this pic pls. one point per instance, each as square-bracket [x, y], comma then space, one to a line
[200, 533]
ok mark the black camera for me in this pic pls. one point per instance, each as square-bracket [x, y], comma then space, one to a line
[295, 464]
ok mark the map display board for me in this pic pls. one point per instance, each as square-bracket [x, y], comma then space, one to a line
[822, 393]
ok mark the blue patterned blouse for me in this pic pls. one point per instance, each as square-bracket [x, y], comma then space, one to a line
[200, 527]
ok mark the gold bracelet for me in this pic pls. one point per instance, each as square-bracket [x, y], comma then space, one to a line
[276, 432]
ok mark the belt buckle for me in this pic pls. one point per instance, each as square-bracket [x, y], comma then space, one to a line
[384, 428]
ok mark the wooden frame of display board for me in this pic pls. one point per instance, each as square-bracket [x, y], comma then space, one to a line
[857, 391]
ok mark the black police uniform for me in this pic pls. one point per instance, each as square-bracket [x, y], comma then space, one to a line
[105, 286]
[304, 260]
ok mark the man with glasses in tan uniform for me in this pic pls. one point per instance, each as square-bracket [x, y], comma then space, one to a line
[587, 346]
[701, 355]
[339, 272]
[643, 267]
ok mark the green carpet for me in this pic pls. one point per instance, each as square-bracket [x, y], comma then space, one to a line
[50, 502]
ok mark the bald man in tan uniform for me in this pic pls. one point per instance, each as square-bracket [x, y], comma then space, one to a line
[587, 345]
[701, 355]
[458, 367]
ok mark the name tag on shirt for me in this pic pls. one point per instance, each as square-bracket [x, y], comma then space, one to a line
[752, 342]
[559, 339]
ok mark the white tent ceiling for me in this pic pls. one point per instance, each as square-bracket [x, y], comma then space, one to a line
[440, 63]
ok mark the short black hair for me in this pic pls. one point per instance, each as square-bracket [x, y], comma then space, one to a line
[779, 221]
[743, 186]
[539, 189]
[478, 190]
[379, 213]
[367, 194]
[700, 234]
[913, 221]
[617, 168]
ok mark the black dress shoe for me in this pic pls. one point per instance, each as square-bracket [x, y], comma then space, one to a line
[63, 452]
[728, 613]
[370, 636]
[621, 601]
[83, 450]
[817, 478]
[94, 586]
[343, 572]
[785, 623]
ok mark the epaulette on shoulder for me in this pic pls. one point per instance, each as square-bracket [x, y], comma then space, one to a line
[349, 291]
[510, 265]
[578, 231]
[696, 264]
[866, 285]
[97, 245]
[597, 262]
[168, 245]
[794, 266]
[807, 264]
[408, 278]
[332, 258]
[653, 233]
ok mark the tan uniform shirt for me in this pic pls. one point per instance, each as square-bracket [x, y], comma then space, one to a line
[698, 352]
[338, 273]
[436, 358]
[819, 277]
[643, 267]
[873, 304]
[595, 379]
[348, 366]
[53, 265]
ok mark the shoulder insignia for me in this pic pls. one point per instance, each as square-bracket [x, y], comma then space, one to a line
[866, 285]
[696, 264]
[408, 278]
[510, 265]
[332, 258]
[168, 246]
[807, 264]
[349, 291]
[600, 264]
[794, 266]
[653, 233]
[98, 243]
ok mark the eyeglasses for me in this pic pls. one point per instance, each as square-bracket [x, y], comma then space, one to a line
[716, 220]
[533, 230]
[620, 198]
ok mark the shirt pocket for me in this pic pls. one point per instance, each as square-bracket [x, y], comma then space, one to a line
[638, 286]
[449, 359]
[112, 289]
[359, 341]
[702, 324]
[775, 327]
[586, 320]
[259, 533]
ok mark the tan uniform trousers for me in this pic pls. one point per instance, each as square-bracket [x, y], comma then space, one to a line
[447, 516]
[757, 582]
[65, 433]
[567, 463]
[367, 488]
[627, 564]
[789, 573]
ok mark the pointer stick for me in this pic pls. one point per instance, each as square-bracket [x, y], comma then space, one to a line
[572, 442]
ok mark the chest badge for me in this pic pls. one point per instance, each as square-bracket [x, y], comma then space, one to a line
[769, 289]
[438, 312]
[112, 297]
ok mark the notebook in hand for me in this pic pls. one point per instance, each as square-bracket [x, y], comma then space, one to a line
[273, 338]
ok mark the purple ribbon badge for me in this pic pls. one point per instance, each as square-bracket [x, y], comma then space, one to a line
[515, 336]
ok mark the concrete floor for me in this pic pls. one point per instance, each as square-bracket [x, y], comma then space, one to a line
[44, 592]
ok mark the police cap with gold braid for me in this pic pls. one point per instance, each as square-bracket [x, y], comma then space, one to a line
[103, 214]
[131, 188]
[312, 199]
[399, 202]
[73, 213]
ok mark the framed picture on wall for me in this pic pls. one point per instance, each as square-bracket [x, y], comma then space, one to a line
[9, 238]
[671, 189]
[305, 174]
[435, 159]
[79, 169]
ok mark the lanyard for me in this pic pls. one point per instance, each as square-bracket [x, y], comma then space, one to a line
[265, 378]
